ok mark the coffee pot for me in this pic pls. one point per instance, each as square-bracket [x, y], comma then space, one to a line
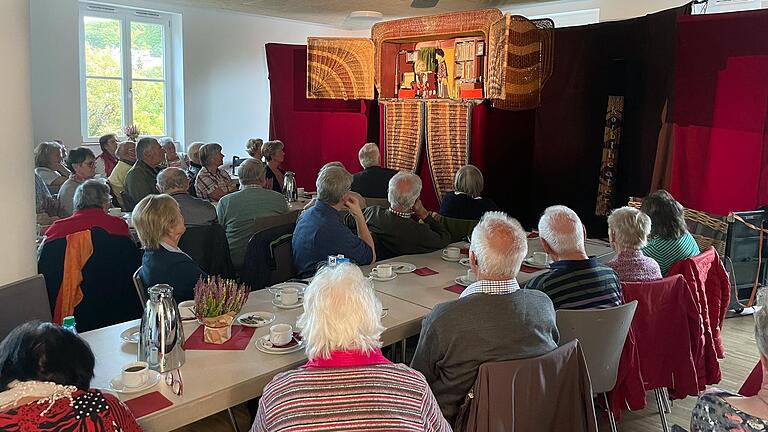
[290, 190]
[161, 334]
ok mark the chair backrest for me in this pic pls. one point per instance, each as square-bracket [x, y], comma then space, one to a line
[140, 290]
[281, 250]
[23, 301]
[208, 246]
[601, 333]
[267, 222]
[381, 202]
[259, 262]
[236, 161]
[459, 228]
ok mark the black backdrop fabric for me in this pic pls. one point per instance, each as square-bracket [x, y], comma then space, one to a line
[550, 155]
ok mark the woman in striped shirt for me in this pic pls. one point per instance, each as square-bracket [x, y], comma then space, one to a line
[347, 384]
[670, 239]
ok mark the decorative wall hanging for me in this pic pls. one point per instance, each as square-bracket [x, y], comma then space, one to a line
[339, 68]
[402, 134]
[447, 139]
[614, 118]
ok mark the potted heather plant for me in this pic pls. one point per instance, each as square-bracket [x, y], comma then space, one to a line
[132, 132]
[217, 302]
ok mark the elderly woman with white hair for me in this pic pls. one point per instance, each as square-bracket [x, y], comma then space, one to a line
[465, 202]
[341, 327]
[172, 158]
[628, 230]
[49, 165]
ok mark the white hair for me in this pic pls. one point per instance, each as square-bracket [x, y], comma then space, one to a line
[630, 227]
[404, 190]
[341, 312]
[561, 228]
[369, 155]
[469, 180]
[172, 178]
[251, 172]
[499, 244]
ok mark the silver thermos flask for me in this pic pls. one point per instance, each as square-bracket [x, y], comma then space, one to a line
[290, 190]
[162, 335]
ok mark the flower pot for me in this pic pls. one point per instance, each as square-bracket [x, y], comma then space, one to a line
[218, 330]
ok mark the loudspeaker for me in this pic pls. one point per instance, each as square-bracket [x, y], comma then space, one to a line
[742, 248]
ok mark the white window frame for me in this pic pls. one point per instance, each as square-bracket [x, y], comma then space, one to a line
[126, 16]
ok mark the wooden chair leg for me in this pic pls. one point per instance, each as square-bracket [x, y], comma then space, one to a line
[660, 404]
[233, 420]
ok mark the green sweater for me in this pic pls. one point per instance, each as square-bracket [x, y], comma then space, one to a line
[666, 251]
[238, 211]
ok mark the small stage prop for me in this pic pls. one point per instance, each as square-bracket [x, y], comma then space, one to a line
[607, 183]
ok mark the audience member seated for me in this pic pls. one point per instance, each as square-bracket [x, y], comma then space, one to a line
[82, 164]
[373, 180]
[46, 206]
[341, 326]
[320, 232]
[628, 230]
[575, 280]
[670, 240]
[253, 148]
[172, 158]
[397, 232]
[91, 203]
[48, 165]
[107, 160]
[721, 410]
[159, 223]
[237, 211]
[45, 384]
[193, 159]
[274, 154]
[142, 177]
[126, 155]
[465, 201]
[196, 212]
[493, 319]
[212, 182]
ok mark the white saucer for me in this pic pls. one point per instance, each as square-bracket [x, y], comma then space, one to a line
[382, 279]
[116, 383]
[131, 335]
[402, 267]
[464, 262]
[529, 262]
[462, 280]
[445, 258]
[187, 310]
[266, 318]
[282, 306]
[274, 289]
[264, 345]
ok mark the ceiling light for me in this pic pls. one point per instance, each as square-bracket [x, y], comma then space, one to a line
[362, 19]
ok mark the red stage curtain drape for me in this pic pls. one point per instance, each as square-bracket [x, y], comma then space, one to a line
[721, 105]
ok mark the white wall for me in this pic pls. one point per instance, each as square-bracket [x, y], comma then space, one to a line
[18, 218]
[226, 89]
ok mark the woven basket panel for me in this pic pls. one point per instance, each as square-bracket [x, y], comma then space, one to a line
[339, 68]
[448, 137]
[402, 136]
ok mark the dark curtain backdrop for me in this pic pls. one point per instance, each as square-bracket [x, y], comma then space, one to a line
[720, 161]
[530, 159]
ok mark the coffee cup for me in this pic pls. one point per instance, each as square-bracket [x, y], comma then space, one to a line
[452, 252]
[471, 276]
[115, 211]
[280, 334]
[540, 258]
[288, 296]
[382, 271]
[135, 374]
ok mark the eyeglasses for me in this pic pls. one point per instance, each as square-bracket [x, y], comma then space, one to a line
[177, 386]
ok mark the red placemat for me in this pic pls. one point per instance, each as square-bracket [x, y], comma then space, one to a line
[241, 336]
[528, 269]
[147, 404]
[425, 271]
[458, 289]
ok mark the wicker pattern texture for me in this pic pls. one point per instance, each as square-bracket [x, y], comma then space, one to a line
[339, 68]
[402, 134]
[606, 184]
[448, 141]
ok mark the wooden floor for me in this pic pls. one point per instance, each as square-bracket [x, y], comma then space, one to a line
[741, 357]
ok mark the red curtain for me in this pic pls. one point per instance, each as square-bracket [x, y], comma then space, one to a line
[721, 111]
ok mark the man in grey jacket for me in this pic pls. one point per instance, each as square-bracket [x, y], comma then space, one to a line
[493, 319]
[196, 212]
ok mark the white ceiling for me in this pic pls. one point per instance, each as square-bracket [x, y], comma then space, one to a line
[334, 12]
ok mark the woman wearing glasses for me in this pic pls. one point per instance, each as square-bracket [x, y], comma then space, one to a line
[45, 384]
[82, 164]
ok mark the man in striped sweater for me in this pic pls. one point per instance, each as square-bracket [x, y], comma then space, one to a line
[576, 281]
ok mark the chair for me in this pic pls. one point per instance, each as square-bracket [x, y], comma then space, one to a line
[208, 247]
[236, 161]
[551, 392]
[263, 223]
[24, 300]
[460, 229]
[601, 334]
[259, 262]
[381, 202]
[668, 331]
[140, 289]
[281, 252]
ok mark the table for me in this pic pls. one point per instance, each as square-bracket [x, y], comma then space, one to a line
[217, 380]
[427, 291]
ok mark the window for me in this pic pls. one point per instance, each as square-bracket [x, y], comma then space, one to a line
[124, 71]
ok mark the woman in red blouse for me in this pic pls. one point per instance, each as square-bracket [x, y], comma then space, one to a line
[45, 375]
